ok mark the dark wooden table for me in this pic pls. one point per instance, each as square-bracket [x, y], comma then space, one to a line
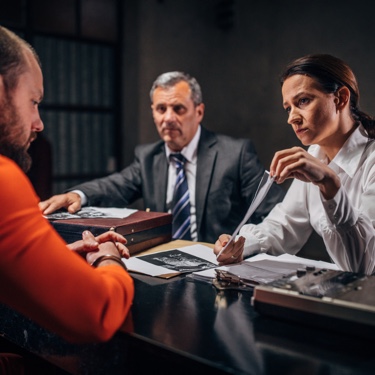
[185, 327]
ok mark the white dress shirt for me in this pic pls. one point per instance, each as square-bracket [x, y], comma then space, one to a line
[346, 222]
[190, 153]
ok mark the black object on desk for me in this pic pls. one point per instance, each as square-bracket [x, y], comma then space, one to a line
[338, 300]
[179, 326]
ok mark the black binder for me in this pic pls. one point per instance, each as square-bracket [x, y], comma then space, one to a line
[332, 300]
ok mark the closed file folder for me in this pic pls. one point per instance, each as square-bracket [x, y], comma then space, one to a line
[142, 229]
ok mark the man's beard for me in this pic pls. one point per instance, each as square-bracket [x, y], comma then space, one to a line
[10, 133]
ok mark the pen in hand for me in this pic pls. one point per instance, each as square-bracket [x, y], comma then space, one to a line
[234, 253]
[224, 243]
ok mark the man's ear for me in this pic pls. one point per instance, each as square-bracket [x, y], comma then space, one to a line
[2, 87]
[200, 110]
[342, 97]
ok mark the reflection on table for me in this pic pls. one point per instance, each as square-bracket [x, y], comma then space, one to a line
[184, 326]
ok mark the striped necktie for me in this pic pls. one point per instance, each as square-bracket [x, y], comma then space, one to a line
[181, 201]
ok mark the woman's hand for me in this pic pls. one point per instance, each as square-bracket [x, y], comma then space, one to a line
[233, 253]
[89, 243]
[298, 163]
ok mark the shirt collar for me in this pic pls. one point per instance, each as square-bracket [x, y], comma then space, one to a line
[349, 156]
[190, 150]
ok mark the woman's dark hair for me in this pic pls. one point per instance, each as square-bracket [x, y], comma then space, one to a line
[331, 73]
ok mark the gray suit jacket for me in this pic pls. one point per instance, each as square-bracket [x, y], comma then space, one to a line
[228, 174]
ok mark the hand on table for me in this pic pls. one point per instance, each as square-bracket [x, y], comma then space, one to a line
[90, 243]
[70, 201]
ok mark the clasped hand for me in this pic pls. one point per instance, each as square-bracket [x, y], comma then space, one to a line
[109, 243]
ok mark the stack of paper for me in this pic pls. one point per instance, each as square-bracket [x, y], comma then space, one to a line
[200, 261]
[269, 267]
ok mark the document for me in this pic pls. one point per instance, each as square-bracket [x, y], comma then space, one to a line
[263, 268]
[170, 263]
[263, 188]
[93, 212]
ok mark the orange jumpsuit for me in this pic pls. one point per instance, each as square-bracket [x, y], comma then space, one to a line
[42, 279]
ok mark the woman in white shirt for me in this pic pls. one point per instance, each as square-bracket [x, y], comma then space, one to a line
[333, 191]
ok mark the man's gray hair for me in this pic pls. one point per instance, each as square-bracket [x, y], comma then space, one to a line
[170, 79]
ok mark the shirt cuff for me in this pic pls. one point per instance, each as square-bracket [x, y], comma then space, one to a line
[82, 195]
[252, 245]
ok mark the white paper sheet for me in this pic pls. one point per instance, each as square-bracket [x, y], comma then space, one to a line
[93, 212]
[138, 264]
[263, 188]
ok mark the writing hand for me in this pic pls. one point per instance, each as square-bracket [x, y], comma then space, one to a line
[233, 253]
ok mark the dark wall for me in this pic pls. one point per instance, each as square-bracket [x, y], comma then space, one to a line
[238, 66]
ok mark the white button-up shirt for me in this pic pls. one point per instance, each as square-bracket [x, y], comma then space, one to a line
[346, 222]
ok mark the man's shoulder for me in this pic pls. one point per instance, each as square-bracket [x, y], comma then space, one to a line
[150, 148]
[232, 140]
[8, 166]
[12, 178]
[210, 137]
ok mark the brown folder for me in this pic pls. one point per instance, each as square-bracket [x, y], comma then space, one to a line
[142, 229]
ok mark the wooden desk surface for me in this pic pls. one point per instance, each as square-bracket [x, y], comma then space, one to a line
[179, 326]
[172, 245]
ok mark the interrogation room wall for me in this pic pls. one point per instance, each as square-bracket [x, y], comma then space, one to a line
[237, 49]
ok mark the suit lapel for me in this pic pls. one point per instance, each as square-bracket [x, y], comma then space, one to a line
[160, 170]
[205, 168]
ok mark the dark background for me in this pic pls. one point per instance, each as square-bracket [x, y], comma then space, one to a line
[237, 49]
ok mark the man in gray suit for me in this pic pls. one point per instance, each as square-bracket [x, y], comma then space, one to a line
[222, 173]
